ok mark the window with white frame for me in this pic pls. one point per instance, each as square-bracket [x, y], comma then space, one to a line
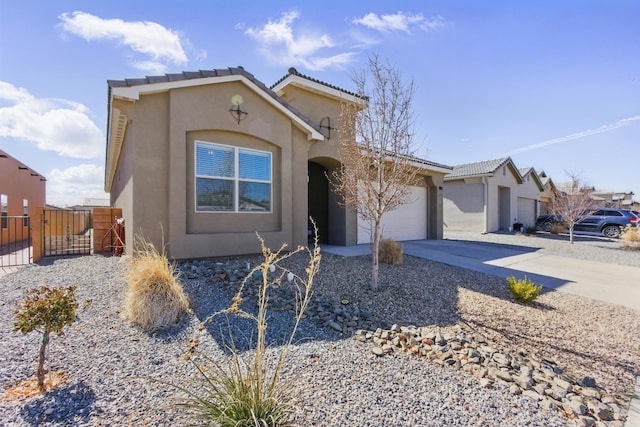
[232, 179]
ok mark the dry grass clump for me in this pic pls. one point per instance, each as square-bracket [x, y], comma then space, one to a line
[556, 229]
[154, 297]
[630, 238]
[390, 252]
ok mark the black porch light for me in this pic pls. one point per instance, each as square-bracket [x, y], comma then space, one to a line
[236, 111]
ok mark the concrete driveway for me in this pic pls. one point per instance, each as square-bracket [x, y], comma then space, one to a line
[619, 285]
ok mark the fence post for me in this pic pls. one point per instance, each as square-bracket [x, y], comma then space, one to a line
[103, 220]
[36, 219]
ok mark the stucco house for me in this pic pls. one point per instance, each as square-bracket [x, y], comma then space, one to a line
[21, 190]
[206, 159]
[529, 197]
[547, 194]
[482, 196]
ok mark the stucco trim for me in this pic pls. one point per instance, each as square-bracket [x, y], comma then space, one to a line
[117, 129]
[132, 93]
[301, 82]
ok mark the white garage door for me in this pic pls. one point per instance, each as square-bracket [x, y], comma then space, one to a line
[407, 222]
[526, 211]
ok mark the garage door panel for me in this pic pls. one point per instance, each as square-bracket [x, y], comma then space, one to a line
[407, 222]
[526, 211]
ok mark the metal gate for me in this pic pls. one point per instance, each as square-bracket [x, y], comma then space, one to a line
[15, 241]
[67, 232]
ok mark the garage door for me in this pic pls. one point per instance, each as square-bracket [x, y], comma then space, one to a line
[526, 211]
[407, 222]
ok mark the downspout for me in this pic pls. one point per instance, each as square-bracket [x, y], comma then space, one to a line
[486, 204]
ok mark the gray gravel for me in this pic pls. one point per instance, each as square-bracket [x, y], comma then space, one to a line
[112, 367]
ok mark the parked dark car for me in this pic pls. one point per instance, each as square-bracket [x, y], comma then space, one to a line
[608, 221]
[546, 222]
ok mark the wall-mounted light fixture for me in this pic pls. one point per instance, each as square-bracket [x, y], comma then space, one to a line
[325, 123]
[236, 111]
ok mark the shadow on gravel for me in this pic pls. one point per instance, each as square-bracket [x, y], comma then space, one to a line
[209, 298]
[69, 404]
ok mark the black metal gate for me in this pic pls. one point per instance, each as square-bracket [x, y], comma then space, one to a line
[66, 232]
[15, 241]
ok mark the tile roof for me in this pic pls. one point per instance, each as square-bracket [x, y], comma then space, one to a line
[294, 72]
[486, 167]
[200, 74]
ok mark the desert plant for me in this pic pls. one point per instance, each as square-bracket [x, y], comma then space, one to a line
[154, 296]
[556, 229]
[390, 252]
[246, 392]
[45, 310]
[523, 291]
[631, 237]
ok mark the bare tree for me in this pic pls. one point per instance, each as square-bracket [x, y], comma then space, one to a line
[378, 163]
[572, 201]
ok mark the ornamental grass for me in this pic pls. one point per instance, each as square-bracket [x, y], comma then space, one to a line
[154, 296]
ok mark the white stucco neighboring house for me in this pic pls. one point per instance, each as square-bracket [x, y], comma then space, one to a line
[529, 197]
[547, 194]
[482, 196]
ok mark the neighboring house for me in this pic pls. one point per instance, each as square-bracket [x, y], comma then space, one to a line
[482, 196]
[611, 199]
[203, 160]
[529, 197]
[21, 190]
[547, 194]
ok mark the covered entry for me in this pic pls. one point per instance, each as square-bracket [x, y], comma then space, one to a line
[332, 219]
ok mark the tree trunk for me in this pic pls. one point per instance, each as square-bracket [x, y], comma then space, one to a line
[41, 359]
[374, 255]
[571, 234]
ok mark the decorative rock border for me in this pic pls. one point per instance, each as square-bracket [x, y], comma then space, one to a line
[540, 379]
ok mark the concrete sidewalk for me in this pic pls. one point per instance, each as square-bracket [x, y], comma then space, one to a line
[619, 285]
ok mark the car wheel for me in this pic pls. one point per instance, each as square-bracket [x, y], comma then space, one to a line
[547, 226]
[612, 231]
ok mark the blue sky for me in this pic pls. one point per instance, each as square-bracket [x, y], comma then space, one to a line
[553, 84]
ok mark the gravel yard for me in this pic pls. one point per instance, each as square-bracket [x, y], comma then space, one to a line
[111, 366]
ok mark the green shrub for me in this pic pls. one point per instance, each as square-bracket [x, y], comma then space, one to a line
[523, 291]
[390, 252]
[154, 296]
[45, 310]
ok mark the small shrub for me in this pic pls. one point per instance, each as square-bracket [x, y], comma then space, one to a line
[523, 291]
[630, 238]
[390, 252]
[45, 310]
[154, 296]
[556, 229]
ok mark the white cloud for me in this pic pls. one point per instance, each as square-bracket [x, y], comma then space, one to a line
[399, 22]
[55, 125]
[162, 45]
[72, 185]
[578, 135]
[282, 46]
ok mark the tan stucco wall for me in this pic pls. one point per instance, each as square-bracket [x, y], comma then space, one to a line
[159, 142]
